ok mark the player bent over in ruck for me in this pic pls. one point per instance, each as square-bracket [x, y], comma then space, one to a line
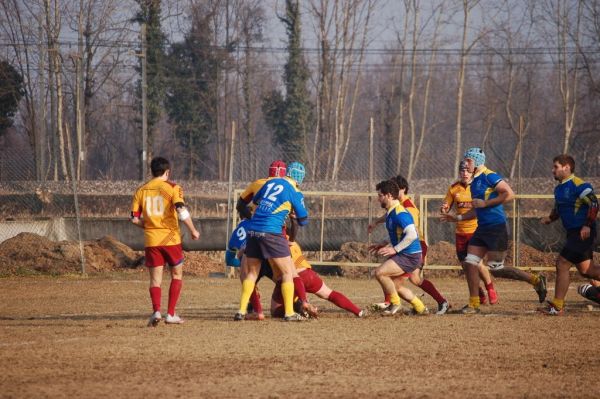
[404, 250]
[576, 205]
[275, 200]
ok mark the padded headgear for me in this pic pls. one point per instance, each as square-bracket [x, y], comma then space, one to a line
[296, 171]
[476, 154]
[277, 168]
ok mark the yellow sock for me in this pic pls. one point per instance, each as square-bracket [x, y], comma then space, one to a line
[287, 291]
[395, 299]
[417, 305]
[534, 279]
[474, 302]
[558, 303]
[247, 288]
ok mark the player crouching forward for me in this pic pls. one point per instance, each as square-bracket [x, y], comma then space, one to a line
[404, 250]
[275, 200]
[313, 284]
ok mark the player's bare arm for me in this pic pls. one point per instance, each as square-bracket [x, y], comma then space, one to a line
[448, 217]
[184, 216]
[550, 218]
[377, 222]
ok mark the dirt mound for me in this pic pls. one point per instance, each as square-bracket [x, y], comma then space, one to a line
[29, 253]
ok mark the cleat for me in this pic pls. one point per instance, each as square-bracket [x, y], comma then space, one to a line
[239, 316]
[378, 307]
[551, 310]
[540, 288]
[391, 310]
[295, 317]
[482, 298]
[425, 312]
[255, 316]
[310, 310]
[363, 313]
[470, 310]
[154, 319]
[493, 296]
[443, 308]
[173, 319]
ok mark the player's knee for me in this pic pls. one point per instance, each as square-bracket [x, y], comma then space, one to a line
[471, 259]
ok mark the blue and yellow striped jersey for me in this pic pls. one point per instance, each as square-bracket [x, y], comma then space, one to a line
[484, 187]
[571, 203]
[275, 200]
[396, 220]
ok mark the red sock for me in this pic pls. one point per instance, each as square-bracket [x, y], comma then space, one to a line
[489, 286]
[255, 301]
[299, 289]
[155, 298]
[341, 301]
[429, 288]
[174, 292]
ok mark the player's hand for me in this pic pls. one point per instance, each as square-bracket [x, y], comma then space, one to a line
[478, 203]
[447, 217]
[585, 233]
[195, 234]
[444, 208]
[545, 220]
[388, 250]
[375, 247]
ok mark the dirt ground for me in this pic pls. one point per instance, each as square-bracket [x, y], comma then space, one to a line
[87, 337]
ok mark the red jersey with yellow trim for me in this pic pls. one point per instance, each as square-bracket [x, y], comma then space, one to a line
[155, 203]
[299, 260]
[460, 195]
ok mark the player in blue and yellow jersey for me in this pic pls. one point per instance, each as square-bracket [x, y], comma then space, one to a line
[243, 206]
[576, 205]
[275, 200]
[459, 197]
[489, 192]
[404, 250]
[157, 207]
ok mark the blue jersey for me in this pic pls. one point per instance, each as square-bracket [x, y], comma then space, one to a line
[275, 200]
[238, 237]
[396, 220]
[483, 187]
[570, 202]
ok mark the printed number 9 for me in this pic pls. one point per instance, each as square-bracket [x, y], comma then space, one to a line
[241, 233]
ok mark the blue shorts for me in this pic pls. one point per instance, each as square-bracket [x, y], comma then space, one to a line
[408, 262]
[493, 237]
[267, 246]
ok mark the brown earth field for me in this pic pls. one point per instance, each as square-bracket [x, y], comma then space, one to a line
[73, 336]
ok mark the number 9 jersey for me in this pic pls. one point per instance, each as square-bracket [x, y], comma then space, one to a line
[155, 203]
[275, 200]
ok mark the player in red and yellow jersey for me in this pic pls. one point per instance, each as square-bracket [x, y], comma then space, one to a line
[158, 207]
[313, 284]
[415, 277]
[459, 196]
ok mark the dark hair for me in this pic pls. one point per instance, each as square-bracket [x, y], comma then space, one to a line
[401, 182]
[565, 159]
[159, 166]
[388, 187]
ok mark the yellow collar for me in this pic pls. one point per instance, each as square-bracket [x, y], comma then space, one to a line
[394, 204]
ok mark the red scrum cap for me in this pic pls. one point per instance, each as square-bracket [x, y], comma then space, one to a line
[277, 168]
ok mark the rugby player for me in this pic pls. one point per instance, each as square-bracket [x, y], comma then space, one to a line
[156, 207]
[576, 205]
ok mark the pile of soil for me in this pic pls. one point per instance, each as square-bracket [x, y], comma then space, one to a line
[29, 253]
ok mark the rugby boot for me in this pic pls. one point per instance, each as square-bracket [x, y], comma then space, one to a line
[541, 289]
[175, 319]
[551, 310]
[154, 319]
[443, 308]
[493, 296]
[294, 317]
[391, 310]
[470, 310]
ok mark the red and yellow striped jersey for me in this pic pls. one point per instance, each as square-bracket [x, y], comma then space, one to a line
[155, 203]
[299, 260]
